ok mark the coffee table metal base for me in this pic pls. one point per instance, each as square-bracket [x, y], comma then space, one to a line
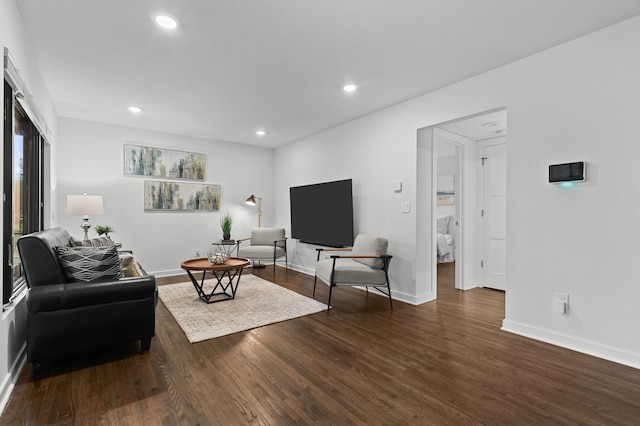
[222, 290]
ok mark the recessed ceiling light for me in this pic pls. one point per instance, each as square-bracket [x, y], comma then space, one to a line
[350, 88]
[261, 133]
[135, 109]
[489, 124]
[166, 22]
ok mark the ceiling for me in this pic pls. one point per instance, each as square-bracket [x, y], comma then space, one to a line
[480, 127]
[234, 67]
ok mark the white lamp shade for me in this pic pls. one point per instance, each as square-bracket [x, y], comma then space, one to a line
[80, 205]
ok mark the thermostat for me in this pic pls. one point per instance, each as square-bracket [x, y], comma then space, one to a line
[567, 172]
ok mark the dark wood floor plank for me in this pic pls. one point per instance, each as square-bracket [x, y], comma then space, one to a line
[444, 362]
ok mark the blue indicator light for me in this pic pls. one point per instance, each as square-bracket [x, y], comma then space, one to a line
[567, 184]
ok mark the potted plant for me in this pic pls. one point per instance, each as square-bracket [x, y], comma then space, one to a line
[104, 229]
[225, 223]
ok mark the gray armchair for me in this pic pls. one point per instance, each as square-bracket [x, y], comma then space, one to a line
[367, 265]
[265, 244]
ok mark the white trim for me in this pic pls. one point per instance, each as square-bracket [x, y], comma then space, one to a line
[24, 97]
[425, 287]
[302, 269]
[9, 382]
[167, 273]
[579, 345]
[460, 142]
[11, 73]
[395, 295]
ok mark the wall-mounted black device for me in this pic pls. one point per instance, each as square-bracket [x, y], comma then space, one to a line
[567, 172]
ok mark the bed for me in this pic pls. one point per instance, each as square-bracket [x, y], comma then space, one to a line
[445, 243]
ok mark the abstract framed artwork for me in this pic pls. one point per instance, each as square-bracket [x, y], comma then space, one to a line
[163, 163]
[180, 196]
[446, 190]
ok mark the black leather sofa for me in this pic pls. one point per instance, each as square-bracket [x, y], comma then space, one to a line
[66, 318]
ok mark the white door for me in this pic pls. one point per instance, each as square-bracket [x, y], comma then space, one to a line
[494, 215]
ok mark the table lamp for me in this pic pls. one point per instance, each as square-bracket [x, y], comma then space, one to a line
[84, 205]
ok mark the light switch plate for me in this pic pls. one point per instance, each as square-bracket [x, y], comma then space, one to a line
[562, 303]
[397, 186]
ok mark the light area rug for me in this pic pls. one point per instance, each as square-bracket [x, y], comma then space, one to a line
[257, 303]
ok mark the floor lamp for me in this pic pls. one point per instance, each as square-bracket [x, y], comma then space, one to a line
[252, 201]
[84, 205]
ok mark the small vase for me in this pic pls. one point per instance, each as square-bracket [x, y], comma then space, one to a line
[226, 236]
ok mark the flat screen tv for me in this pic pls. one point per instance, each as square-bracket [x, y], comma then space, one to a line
[322, 213]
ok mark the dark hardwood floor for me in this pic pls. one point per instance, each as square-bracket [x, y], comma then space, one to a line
[444, 363]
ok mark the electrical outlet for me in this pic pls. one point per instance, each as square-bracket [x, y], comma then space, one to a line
[562, 303]
[405, 207]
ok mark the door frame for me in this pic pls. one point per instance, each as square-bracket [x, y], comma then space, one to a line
[426, 217]
[426, 271]
[460, 143]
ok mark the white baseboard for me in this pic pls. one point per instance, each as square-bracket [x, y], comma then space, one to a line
[579, 345]
[302, 269]
[395, 295]
[9, 381]
[167, 273]
[174, 272]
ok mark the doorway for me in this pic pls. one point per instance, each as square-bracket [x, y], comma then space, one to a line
[468, 134]
[449, 206]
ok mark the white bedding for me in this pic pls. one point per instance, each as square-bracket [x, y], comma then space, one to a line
[445, 248]
[445, 243]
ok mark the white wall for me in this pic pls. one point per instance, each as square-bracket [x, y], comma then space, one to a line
[90, 159]
[575, 102]
[371, 153]
[578, 101]
[12, 322]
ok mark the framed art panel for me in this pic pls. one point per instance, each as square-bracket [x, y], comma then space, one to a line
[180, 196]
[163, 163]
[446, 190]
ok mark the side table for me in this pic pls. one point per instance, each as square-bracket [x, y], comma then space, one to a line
[227, 246]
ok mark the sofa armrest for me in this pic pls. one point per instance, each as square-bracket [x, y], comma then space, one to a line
[54, 297]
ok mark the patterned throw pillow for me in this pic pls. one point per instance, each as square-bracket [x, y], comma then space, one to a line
[90, 263]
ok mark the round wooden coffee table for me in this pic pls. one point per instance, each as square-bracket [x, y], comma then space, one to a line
[226, 274]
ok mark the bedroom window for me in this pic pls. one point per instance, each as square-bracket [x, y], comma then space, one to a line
[22, 195]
